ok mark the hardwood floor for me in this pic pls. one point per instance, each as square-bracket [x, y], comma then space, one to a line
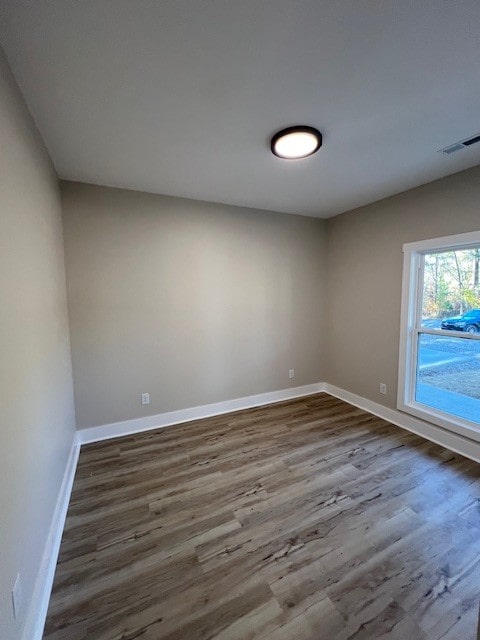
[308, 519]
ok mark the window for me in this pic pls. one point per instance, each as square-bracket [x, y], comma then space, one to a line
[439, 366]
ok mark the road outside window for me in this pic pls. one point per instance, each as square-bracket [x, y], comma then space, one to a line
[440, 371]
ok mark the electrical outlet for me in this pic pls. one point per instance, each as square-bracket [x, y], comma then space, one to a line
[383, 388]
[291, 373]
[145, 398]
[17, 596]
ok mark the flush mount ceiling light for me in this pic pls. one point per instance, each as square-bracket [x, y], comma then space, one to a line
[297, 142]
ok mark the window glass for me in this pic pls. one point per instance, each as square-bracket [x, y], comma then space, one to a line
[439, 366]
[451, 290]
[448, 375]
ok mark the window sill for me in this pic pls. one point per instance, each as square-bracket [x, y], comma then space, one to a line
[460, 426]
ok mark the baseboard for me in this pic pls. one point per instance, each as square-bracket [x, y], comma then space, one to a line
[452, 441]
[39, 604]
[43, 586]
[128, 427]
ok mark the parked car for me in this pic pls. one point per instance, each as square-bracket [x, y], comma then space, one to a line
[469, 322]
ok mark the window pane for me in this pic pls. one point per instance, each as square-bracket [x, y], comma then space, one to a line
[451, 290]
[448, 375]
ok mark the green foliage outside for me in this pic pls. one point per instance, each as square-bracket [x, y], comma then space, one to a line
[451, 283]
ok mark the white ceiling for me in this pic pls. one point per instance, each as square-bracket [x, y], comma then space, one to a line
[181, 96]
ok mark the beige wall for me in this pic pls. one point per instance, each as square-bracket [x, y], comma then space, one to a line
[365, 274]
[36, 398]
[189, 301]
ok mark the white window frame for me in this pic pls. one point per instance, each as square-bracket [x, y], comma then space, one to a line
[411, 329]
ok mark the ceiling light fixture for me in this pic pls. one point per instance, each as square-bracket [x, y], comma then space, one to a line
[297, 142]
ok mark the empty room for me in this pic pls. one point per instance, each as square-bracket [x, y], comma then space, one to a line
[240, 320]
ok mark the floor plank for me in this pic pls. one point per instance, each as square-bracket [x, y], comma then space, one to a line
[303, 520]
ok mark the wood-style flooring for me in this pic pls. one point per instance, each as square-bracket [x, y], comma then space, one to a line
[304, 520]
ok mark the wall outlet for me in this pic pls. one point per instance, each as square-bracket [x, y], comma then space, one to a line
[17, 596]
[291, 373]
[145, 398]
[383, 388]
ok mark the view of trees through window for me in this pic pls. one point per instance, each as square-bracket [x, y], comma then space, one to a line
[448, 364]
[451, 283]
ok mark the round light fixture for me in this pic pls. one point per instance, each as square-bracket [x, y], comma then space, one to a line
[297, 142]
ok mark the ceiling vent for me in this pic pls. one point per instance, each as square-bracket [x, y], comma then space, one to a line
[463, 144]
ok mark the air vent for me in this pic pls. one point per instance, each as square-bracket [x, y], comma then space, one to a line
[463, 144]
[453, 148]
[474, 140]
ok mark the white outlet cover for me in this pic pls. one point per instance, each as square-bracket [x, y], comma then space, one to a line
[145, 398]
[291, 373]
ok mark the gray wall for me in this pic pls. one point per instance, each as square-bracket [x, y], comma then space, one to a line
[189, 301]
[36, 398]
[365, 263]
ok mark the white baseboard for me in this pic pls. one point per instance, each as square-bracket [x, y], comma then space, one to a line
[128, 427]
[458, 444]
[43, 585]
[452, 441]
[41, 596]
